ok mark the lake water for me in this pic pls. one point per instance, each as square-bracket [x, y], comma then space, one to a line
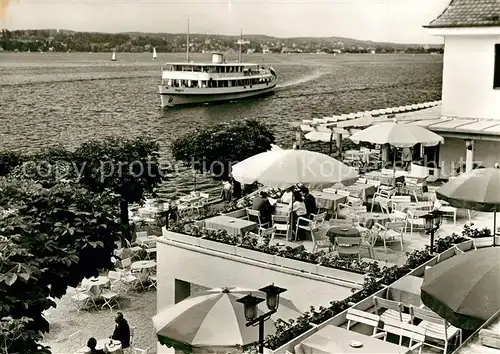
[59, 98]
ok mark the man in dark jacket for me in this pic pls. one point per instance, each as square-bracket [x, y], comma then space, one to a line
[122, 331]
[309, 201]
[262, 204]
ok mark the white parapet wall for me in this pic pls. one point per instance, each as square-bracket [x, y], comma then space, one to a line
[183, 260]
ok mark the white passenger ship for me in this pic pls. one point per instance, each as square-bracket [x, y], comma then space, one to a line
[195, 83]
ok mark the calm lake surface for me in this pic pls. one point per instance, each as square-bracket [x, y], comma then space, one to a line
[59, 98]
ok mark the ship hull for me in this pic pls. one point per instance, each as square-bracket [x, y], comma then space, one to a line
[170, 99]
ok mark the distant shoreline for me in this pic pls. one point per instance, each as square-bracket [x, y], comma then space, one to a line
[64, 41]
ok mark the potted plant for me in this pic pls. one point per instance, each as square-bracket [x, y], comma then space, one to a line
[480, 237]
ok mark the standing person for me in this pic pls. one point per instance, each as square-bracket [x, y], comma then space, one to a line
[299, 210]
[407, 158]
[122, 331]
[236, 188]
[227, 191]
[309, 201]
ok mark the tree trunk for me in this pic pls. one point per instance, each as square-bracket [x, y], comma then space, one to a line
[124, 219]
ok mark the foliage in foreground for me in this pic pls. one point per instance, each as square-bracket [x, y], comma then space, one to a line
[214, 148]
[52, 238]
[126, 167]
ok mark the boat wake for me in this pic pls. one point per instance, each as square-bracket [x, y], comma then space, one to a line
[316, 75]
[82, 79]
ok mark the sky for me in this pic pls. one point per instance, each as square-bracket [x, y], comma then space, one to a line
[397, 21]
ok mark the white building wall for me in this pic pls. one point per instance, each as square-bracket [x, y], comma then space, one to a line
[179, 263]
[468, 67]
[212, 271]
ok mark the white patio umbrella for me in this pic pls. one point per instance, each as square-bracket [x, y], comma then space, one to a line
[323, 136]
[398, 135]
[285, 168]
[213, 322]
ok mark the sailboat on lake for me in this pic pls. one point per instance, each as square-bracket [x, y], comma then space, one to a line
[154, 54]
[113, 57]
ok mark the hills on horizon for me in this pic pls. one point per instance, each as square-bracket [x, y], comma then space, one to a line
[61, 40]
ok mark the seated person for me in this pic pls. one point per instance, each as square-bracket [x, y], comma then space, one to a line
[299, 210]
[122, 331]
[309, 201]
[262, 204]
[286, 198]
[92, 343]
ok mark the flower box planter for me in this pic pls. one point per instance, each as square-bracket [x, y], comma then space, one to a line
[240, 213]
[296, 264]
[363, 304]
[255, 255]
[174, 236]
[217, 246]
[481, 242]
[341, 274]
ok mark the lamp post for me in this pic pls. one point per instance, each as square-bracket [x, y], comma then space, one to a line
[250, 303]
[432, 224]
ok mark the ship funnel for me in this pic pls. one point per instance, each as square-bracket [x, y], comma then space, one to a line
[217, 58]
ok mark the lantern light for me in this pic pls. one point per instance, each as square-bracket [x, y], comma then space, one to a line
[250, 303]
[272, 296]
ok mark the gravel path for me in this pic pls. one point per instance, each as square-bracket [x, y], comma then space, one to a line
[70, 331]
[137, 308]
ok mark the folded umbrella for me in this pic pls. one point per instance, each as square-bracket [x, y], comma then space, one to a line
[465, 289]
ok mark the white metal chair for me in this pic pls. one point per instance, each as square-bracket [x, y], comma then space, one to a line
[381, 199]
[392, 232]
[81, 299]
[358, 316]
[348, 246]
[446, 209]
[254, 215]
[281, 223]
[310, 224]
[110, 296]
[115, 277]
[127, 278]
[437, 329]
[134, 250]
[388, 309]
[415, 222]
[153, 280]
[368, 240]
[320, 239]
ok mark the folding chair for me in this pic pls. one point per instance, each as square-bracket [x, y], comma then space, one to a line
[348, 246]
[437, 328]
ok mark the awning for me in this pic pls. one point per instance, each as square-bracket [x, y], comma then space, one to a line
[432, 119]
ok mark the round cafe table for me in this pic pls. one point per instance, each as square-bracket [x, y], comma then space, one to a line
[342, 231]
[115, 347]
[143, 265]
[369, 219]
[96, 283]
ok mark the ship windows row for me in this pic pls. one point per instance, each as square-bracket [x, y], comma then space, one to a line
[215, 83]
